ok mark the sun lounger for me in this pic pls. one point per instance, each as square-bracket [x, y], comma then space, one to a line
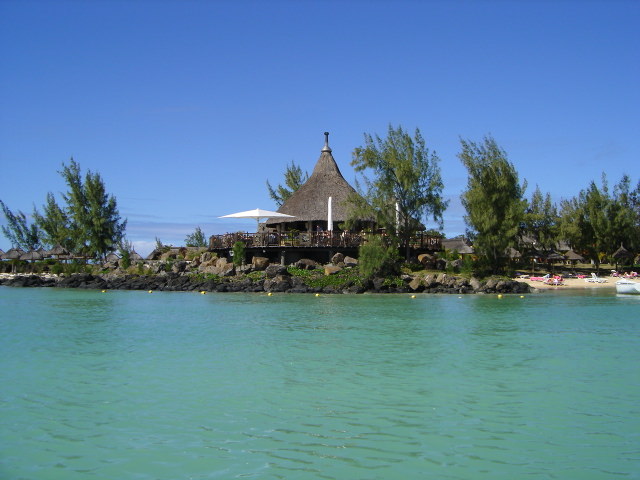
[595, 279]
[540, 279]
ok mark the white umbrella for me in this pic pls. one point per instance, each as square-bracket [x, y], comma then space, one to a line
[258, 213]
[329, 217]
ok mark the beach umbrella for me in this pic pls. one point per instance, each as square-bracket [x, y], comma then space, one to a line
[257, 213]
[329, 216]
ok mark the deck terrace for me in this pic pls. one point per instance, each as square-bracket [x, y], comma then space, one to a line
[331, 240]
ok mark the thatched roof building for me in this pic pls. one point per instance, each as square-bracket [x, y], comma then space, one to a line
[458, 244]
[309, 204]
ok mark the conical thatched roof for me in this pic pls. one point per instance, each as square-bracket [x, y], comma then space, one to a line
[58, 250]
[622, 253]
[112, 257]
[13, 254]
[555, 256]
[32, 255]
[310, 201]
[573, 256]
[458, 244]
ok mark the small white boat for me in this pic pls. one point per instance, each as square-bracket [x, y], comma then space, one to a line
[627, 286]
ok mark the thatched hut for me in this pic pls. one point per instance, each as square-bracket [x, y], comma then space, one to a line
[309, 204]
[458, 244]
[622, 256]
[112, 258]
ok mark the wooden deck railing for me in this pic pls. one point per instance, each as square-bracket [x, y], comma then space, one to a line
[312, 239]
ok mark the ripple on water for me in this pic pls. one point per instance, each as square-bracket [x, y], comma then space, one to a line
[370, 387]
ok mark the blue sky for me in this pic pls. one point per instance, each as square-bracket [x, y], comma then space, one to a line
[187, 108]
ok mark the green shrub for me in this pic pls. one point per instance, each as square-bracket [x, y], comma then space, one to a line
[57, 268]
[317, 279]
[393, 282]
[125, 260]
[377, 259]
[257, 275]
[200, 277]
[238, 253]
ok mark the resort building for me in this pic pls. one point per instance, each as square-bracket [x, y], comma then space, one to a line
[313, 228]
[321, 200]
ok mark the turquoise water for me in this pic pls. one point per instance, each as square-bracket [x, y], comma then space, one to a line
[132, 385]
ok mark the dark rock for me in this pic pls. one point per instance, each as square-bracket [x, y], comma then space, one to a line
[337, 258]
[279, 283]
[179, 266]
[273, 270]
[331, 269]
[260, 263]
[350, 262]
[306, 264]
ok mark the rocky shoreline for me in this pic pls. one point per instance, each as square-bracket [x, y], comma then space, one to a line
[275, 278]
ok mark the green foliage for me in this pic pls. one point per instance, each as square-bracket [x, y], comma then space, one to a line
[238, 253]
[408, 267]
[256, 275]
[405, 187]
[89, 224]
[317, 279]
[597, 222]
[493, 200]
[125, 249]
[467, 268]
[54, 224]
[96, 228]
[199, 277]
[196, 239]
[377, 259]
[18, 231]
[393, 282]
[293, 179]
[540, 221]
[57, 269]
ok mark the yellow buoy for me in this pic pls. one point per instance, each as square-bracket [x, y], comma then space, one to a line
[150, 291]
[203, 292]
[521, 296]
[104, 291]
[413, 296]
[269, 294]
[499, 296]
[317, 294]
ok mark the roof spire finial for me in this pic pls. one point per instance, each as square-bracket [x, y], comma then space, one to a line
[326, 143]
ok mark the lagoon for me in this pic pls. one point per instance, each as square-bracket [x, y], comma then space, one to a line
[128, 384]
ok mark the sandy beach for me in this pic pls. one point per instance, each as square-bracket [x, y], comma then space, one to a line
[572, 283]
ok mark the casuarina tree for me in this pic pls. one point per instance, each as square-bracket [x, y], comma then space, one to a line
[402, 184]
[493, 200]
